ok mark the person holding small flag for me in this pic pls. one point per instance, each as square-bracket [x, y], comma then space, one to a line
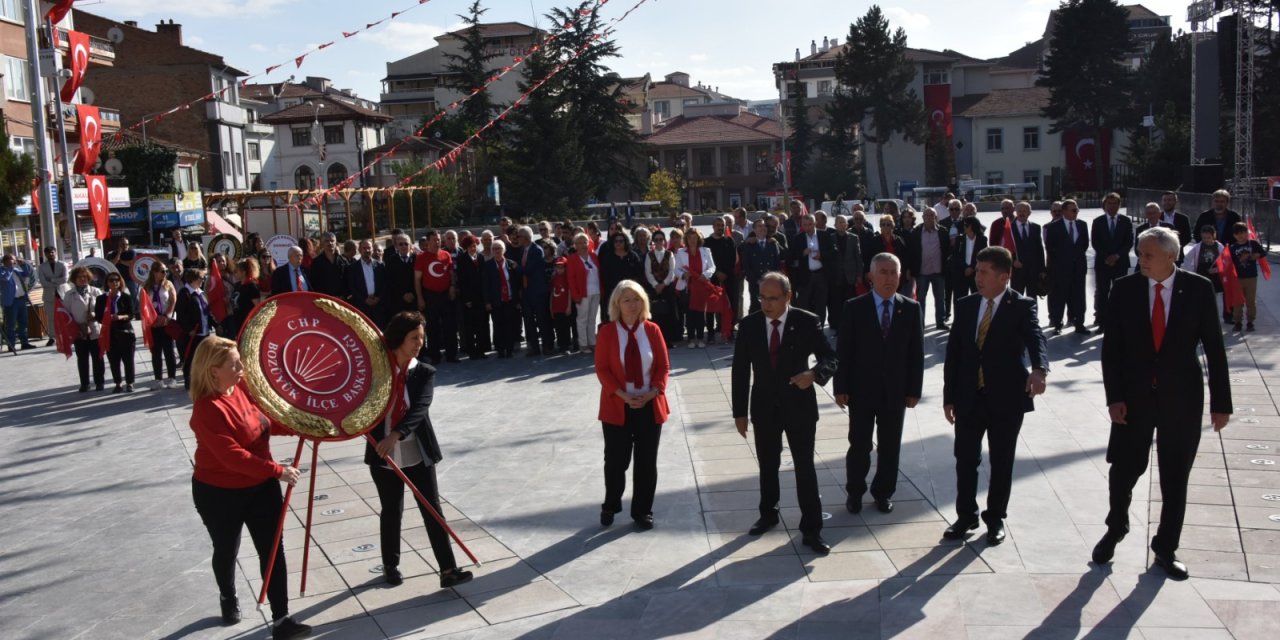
[114, 309]
[218, 294]
[159, 297]
[1246, 254]
[78, 303]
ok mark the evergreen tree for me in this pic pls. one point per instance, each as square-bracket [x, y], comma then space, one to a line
[17, 173]
[470, 70]
[1158, 155]
[837, 170]
[874, 87]
[1089, 84]
[800, 142]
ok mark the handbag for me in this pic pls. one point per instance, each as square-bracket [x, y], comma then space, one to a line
[174, 330]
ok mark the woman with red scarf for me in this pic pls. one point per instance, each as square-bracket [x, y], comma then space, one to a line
[633, 366]
[407, 438]
[114, 309]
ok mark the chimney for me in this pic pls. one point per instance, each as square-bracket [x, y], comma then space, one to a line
[797, 54]
[131, 23]
[826, 44]
[813, 47]
[646, 122]
[172, 30]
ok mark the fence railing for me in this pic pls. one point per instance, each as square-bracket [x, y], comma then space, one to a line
[1264, 212]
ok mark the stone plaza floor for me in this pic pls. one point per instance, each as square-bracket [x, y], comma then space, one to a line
[99, 539]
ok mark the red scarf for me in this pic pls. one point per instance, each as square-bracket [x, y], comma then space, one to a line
[695, 262]
[631, 362]
[104, 337]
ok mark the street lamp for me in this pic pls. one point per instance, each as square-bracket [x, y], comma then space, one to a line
[317, 140]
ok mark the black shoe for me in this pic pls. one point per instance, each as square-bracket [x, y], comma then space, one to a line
[27, 345]
[392, 576]
[230, 610]
[960, 530]
[84, 388]
[50, 343]
[453, 359]
[1172, 566]
[288, 629]
[996, 534]
[454, 577]
[816, 543]
[1083, 330]
[117, 389]
[606, 517]
[478, 356]
[1105, 550]
[1057, 329]
[885, 505]
[853, 505]
[762, 525]
[942, 326]
[644, 523]
[13, 351]
[99, 386]
[1249, 327]
[1237, 328]
[533, 353]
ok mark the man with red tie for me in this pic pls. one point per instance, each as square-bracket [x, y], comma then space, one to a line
[1151, 372]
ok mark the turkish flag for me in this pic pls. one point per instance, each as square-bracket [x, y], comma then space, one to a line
[90, 139]
[59, 10]
[148, 311]
[65, 329]
[1079, 145]
[104, 336]
[99, 206]
[77, 62]
[1263, 264]
[937, 102]
[1232, 294]
[217, 292]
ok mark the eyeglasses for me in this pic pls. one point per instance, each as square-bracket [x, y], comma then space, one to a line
[772, 298]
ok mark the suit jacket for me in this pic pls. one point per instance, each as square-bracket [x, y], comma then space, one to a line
[1106, 243]
[1182, 224]
[876, 371]
[1030, 250]
[849, 258]
[875, 246]
[470, 279]
[124, 304]
[1130, 362]
[1066, 258]
[915, 243]
[1147, 225]
[492, 282]
[995, 235]
[357, 289]
[419, 384]
[772, 398]
[612, 374]
[958, 261]
[188, 312]
[1014, 331]
[798, 263]
[329, 276]
[1207, 218]
[399, 281]
[536, 284]
[282, 281]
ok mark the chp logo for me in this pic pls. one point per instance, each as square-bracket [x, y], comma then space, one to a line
[316, 365]
[141, 268]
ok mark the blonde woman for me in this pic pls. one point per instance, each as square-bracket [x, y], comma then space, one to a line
[585, 285]
[694, 268]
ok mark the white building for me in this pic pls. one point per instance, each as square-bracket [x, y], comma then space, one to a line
[320, 141]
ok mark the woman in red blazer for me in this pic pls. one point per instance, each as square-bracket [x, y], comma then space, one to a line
[632, 365]
[583, 268]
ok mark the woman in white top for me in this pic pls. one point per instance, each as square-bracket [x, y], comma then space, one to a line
[694, 268]
[79, 301]
[163, 297]
[583, 269]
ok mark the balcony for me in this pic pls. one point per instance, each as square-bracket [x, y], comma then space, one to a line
[225, 112]
[101, 52]
[109, 119]
[259, 129]
[409, 96]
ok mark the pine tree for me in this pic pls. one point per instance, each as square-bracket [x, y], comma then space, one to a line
[800, 142]
[1157, 156]
[470, 70]
[17, 173]
[874, 87]
[1089, 84]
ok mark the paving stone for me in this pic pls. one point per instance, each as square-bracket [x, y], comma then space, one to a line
[937, 561]
[850, 565]
[762, 570]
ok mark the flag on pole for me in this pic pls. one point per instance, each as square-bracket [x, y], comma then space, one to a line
[217, 292]
[65, 329]
[148, 317]
[1232, 294]
[1264, 263]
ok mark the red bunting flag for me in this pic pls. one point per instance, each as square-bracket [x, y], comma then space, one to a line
[99, 206]
[77, 63]
[90, 129]
[1264, 263]
[298, 60]
[325, 45]
[217, 290]
[271, 68]
[347, 34]
[35, 192]
[1232, 294]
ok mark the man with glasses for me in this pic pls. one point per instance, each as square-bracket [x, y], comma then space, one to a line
[400, 293]
[53, 280]
[1066, 242]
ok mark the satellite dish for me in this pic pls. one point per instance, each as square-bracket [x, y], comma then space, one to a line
[86, 95]
[115, 35]
[114, 166]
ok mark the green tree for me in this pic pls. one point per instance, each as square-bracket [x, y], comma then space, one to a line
[1089, 84]
[1158, 154]
[444, 201]
[148, 168]
[800, 142]
[17, 174]
[837, 170]
[662, 189]
[470, 70]
[874, 79]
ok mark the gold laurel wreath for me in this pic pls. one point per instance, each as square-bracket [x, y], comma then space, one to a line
[304, 422]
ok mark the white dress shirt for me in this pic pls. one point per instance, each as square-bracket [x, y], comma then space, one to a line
[367, 267]
[982, 310]
[815, 262]
[646, 356]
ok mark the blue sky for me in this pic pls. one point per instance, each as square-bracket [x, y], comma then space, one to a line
[726, 43]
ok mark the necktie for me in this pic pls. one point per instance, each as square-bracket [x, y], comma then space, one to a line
[631, 361]
[1072, 226]
[983, 327]
[502, 277]
[299, 285]
[1157, 317]
[775, 343]
[884, 320]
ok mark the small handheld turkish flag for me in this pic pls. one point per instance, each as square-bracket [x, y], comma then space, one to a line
[99, 206]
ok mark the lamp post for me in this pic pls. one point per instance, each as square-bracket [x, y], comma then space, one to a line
[317, 140]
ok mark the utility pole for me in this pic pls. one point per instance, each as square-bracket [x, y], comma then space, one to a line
[44, 155]
[73, 226]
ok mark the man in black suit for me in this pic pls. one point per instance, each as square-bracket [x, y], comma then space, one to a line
[808, 255]
[367, 282]
[1112, 236]
[879, 375]
[400, 293]
[774, 345]
[928, 248]
[329, 268]
[987, 389]
[1151, 372]
[1066, 242]
[954, 224]
[1221, 216]
[291, 276]
[1028, 262]
[1176, 219]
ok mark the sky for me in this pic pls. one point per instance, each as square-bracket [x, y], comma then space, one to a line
[730, 44]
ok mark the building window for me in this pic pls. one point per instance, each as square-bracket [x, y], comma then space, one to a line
[662, 108]
[239, 164]
[760, 161]
[335, 134]
[1031, 138]
[995, 139]
[335, 175]
[824, 87]
[304, 178]
[12, 10]
[16, 73]
[690, 101]
[1032, 177]
[706, 162]
[255, 151]
[995, 177]
[186, 175]
[226, 162]
[937, 77]
[23, 145]
[733, 162]
[301, 136]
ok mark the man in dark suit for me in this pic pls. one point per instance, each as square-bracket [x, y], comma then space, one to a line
[879, 375]
[329, 268]
[808, 255]
[928, 248]
[1154, 218]
[400, 293]
[1151, 373]
[1221, 217]
[954, 224]
[1066, 242]
[1112, 237]
[535, 298]
[292, 276]
[774, 345]
[987, 389]
[1028, 261]
[1176, 219]
[501, 281]
[367, 282]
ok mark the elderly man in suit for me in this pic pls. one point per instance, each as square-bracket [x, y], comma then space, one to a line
[1028, 261]
[774, 344]
[1066, 242]
[1151, 373]
[987, 388]
[809, 254]
[292, 276]
[1112, 236]
[535, 287]
[928, 248]
[879, 375]
[367, 284]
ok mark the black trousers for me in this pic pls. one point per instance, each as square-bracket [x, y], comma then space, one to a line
[1001, 428]
[1067, 292]
[189, 345]
[838, 292]
[225, 512]
[800, 437]
[1103, 276]
[442, 329]
[506, 321]
[863, 422]
[640, 435]
[391, 492]
[1177, 440]
[537, 323]
[162, 353]
[812, 294]
[475, 329]
[121, 355]
[563, 323]
[88, 350]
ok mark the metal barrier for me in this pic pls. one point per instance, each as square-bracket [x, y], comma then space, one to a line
[1264, 212]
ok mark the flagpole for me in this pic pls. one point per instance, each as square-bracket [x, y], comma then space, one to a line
[68, 204]
[39, 115]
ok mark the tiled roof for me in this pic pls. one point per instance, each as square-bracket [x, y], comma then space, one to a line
[1007, 102]
[130, 137]
[744, 127]
[501, 30]
[914, 55]
[414, 144]
[331, 110]
[263, 92]
[1026, 57]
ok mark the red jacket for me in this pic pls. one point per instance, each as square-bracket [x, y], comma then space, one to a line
[612, 375]
[578, 274]
[233, 449]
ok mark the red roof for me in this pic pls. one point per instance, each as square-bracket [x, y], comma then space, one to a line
[706, 130]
